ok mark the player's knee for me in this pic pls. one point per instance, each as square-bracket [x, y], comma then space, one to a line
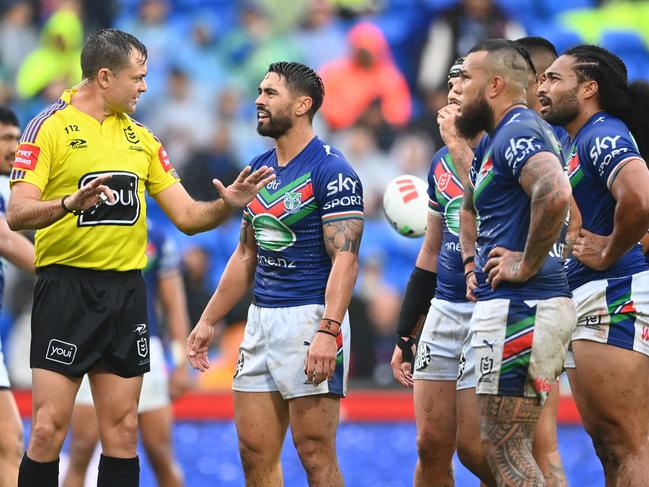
[470, 453]
[255, 454]
[434, 446]
[11, 445]
[159, 454]
[610, 454]
[123, 431]
[313, 448]
[47, 430]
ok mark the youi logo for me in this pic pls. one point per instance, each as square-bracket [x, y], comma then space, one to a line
[61, 352]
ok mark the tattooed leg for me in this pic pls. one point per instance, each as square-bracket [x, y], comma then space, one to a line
[507, 427]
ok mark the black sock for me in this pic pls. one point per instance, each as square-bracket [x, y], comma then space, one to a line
[38, 474]
[124, 472]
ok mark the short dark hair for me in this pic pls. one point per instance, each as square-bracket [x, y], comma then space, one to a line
[8, 117]
[303, 80]
[109, 48]
[537, 45]
[512, 57]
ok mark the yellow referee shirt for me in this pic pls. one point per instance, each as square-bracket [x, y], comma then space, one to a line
[61, 150]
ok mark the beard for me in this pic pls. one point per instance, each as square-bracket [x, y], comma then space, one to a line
[563, 110]
[474, 118]
[275, 126]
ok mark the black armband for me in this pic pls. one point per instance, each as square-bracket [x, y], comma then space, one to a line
[416, 300]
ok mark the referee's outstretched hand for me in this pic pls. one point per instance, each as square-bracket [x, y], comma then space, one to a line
[198, 343]
[245, 187]
[91, 194]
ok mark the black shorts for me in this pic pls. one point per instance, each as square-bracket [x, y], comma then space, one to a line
[83, 319]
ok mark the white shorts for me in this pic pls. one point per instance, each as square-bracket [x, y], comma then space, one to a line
[441, 354]
[4, 376]
[520, 346]
[155, 385]
[615, 312]
[273, 352]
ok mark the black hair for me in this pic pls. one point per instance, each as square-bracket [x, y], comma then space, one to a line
[8, 117]
[627, 101]
[303, 80]
[512, 54]
[537, 45]
[109, 48]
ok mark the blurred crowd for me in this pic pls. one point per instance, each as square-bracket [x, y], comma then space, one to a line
[384, 65]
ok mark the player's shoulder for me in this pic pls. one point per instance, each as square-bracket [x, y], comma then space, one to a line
[47, 120]
[263, 159]
[328, 159]
[602, 125]
[136, 130]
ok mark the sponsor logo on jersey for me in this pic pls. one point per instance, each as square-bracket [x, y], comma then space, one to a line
[341, 183]
[292, 201]
[344, 201]
[605, 144]
[26, 156]
[276, 261]
[520, 149]
[271, 234]
[131, 136]
[61, 352]
[77, 144]
[164, 159]
[126, 208]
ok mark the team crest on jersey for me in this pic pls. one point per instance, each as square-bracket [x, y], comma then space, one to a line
[443, 181]
[131, 136]
[292, 202]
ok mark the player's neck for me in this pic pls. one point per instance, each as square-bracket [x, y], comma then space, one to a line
[89, 101]
[292, 143]
[580, 120]
[501, 111]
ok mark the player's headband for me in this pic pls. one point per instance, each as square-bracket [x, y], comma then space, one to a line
[454, 72]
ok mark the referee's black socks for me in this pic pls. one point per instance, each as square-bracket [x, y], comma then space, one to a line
[38, 474]
[124, 472]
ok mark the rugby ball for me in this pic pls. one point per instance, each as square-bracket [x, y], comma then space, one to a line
[405, 204]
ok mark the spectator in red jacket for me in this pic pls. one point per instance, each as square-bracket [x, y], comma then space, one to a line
[366, 76]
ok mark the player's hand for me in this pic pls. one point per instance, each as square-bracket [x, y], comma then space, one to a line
[179, 381]
[245, 187]
[92, 194]
[590, 249]
[505, 265]
[321, 358]
[471, 285]
[446, 121]
[198, 343]
[402, 369]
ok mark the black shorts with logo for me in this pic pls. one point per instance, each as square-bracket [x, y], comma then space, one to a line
[83, 319]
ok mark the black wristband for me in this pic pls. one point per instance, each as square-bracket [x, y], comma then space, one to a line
[416, 300]
[467, 274]
[327, 332]
[67, 210]
[468, 260]
[405, 344]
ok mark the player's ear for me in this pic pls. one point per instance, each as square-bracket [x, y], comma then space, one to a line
[590, 89]
[495, 86]
[303, 105]
[103, 76]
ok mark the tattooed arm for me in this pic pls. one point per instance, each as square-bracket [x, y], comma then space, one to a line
[548, 187]
[235, 281]
[630, 221]
[342, 240]
[468, 238]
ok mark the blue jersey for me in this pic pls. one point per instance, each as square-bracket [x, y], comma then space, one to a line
[503, 206]
[445, 193]
[317, 187]
[599, 150]
[162, 257]
[3, 212]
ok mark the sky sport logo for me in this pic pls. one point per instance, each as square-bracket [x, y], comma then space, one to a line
[61, 352]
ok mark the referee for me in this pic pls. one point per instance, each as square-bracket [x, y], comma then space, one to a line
[79, 178]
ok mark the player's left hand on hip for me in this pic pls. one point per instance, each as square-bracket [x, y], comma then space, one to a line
[245, 187]
[504, 265]
[321, 358]
[590, 250]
